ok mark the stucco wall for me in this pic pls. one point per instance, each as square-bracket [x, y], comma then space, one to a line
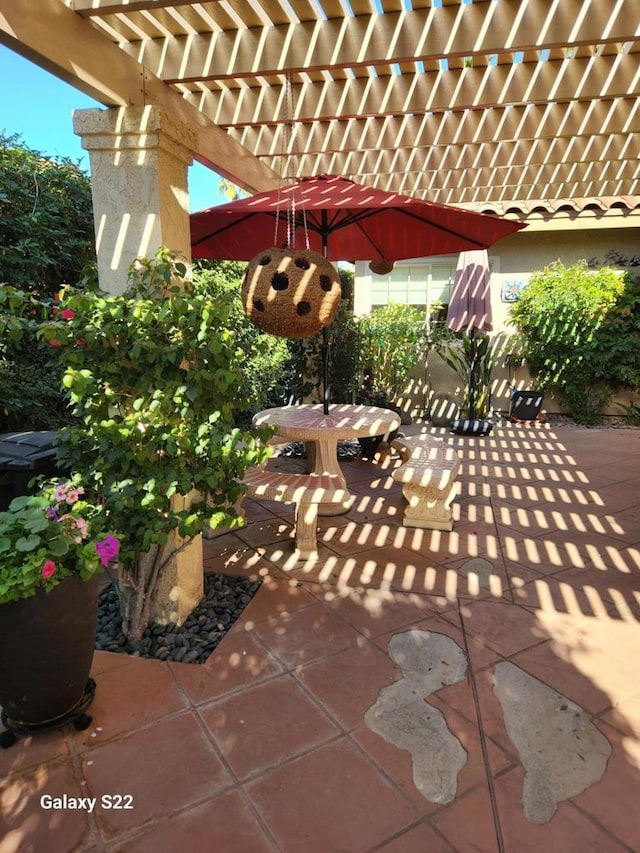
[513, 260]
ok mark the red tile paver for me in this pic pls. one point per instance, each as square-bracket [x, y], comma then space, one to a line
[225, 823]
[28, 818]
[163, 768]
[348, 684]
[306, 635]
[569, 830]
[501, 627]
[420, 837]
[253, 738]
[240, 660]
[347, 805]
[613, 801]
[469, 824]
[122, 705]
[33, 751]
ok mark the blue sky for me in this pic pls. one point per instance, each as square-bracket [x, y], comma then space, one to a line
[38, 106]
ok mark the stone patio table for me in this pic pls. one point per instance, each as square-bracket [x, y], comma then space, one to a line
[307, 422]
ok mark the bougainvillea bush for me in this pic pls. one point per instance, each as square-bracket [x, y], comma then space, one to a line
[155, 377]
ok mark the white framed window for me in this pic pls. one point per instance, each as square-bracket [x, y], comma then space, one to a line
[419, 283]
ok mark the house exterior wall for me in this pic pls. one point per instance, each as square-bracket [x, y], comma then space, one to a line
[512, 261]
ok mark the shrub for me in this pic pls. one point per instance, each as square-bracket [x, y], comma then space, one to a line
[305, 366]
[46, 218]
[392, 339]
[472, 359]
[581, 334]
[154, 375]
[304, 369]
[31, 395]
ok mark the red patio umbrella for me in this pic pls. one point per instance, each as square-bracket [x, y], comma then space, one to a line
[342, 220]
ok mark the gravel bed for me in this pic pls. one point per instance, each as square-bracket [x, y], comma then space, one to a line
[225, 599]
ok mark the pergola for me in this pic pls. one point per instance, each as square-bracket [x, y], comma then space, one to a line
[496, 104]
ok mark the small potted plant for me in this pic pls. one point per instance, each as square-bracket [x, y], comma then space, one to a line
[52, 547]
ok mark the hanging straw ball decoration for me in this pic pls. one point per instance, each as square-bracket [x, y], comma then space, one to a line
[292, 293]
[381, 267]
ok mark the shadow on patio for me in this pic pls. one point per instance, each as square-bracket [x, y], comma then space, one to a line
[265, 746]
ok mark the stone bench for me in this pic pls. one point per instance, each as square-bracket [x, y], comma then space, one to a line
[427, 474]
[307, 491]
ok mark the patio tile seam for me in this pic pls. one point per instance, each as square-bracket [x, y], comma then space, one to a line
[483, 742]
[30, 770]
[129, 732]
[420, 815]
[129, 835]
[254, 776]
[83, 783]
[240, 782]
[396, 836]
[605, 830]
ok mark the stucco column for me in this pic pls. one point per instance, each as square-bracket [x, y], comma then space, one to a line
[139, 160]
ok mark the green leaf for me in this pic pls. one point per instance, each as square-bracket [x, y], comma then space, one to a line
[27, 543]
[58, 547]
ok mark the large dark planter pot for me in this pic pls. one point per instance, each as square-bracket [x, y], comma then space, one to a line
[370, 443]
[46, 649]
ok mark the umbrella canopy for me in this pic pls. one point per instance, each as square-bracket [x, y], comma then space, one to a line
[342, 220]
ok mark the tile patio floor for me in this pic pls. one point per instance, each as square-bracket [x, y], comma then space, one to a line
[264, 748]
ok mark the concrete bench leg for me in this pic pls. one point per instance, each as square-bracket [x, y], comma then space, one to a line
[428, 507]
[306, 529]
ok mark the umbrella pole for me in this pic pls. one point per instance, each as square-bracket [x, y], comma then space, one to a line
[326, 346]
[325, 370]
[472, 375]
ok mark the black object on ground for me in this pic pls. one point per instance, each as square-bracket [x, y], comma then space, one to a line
[76, 715]
[525, 405]
[23, 456]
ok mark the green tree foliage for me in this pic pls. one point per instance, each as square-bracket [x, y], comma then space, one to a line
[580, 333]
[392, 341]
[155, 376]
[31, 395]
[46, 219]
[265, 359]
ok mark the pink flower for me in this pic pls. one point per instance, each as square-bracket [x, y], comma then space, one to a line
[107, 549]
[67, 314]
[80, 525]
[54, 342]
[72, 495]
[49, 569]
[60, 493]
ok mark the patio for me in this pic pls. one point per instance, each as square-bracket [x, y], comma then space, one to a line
[265, 746]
